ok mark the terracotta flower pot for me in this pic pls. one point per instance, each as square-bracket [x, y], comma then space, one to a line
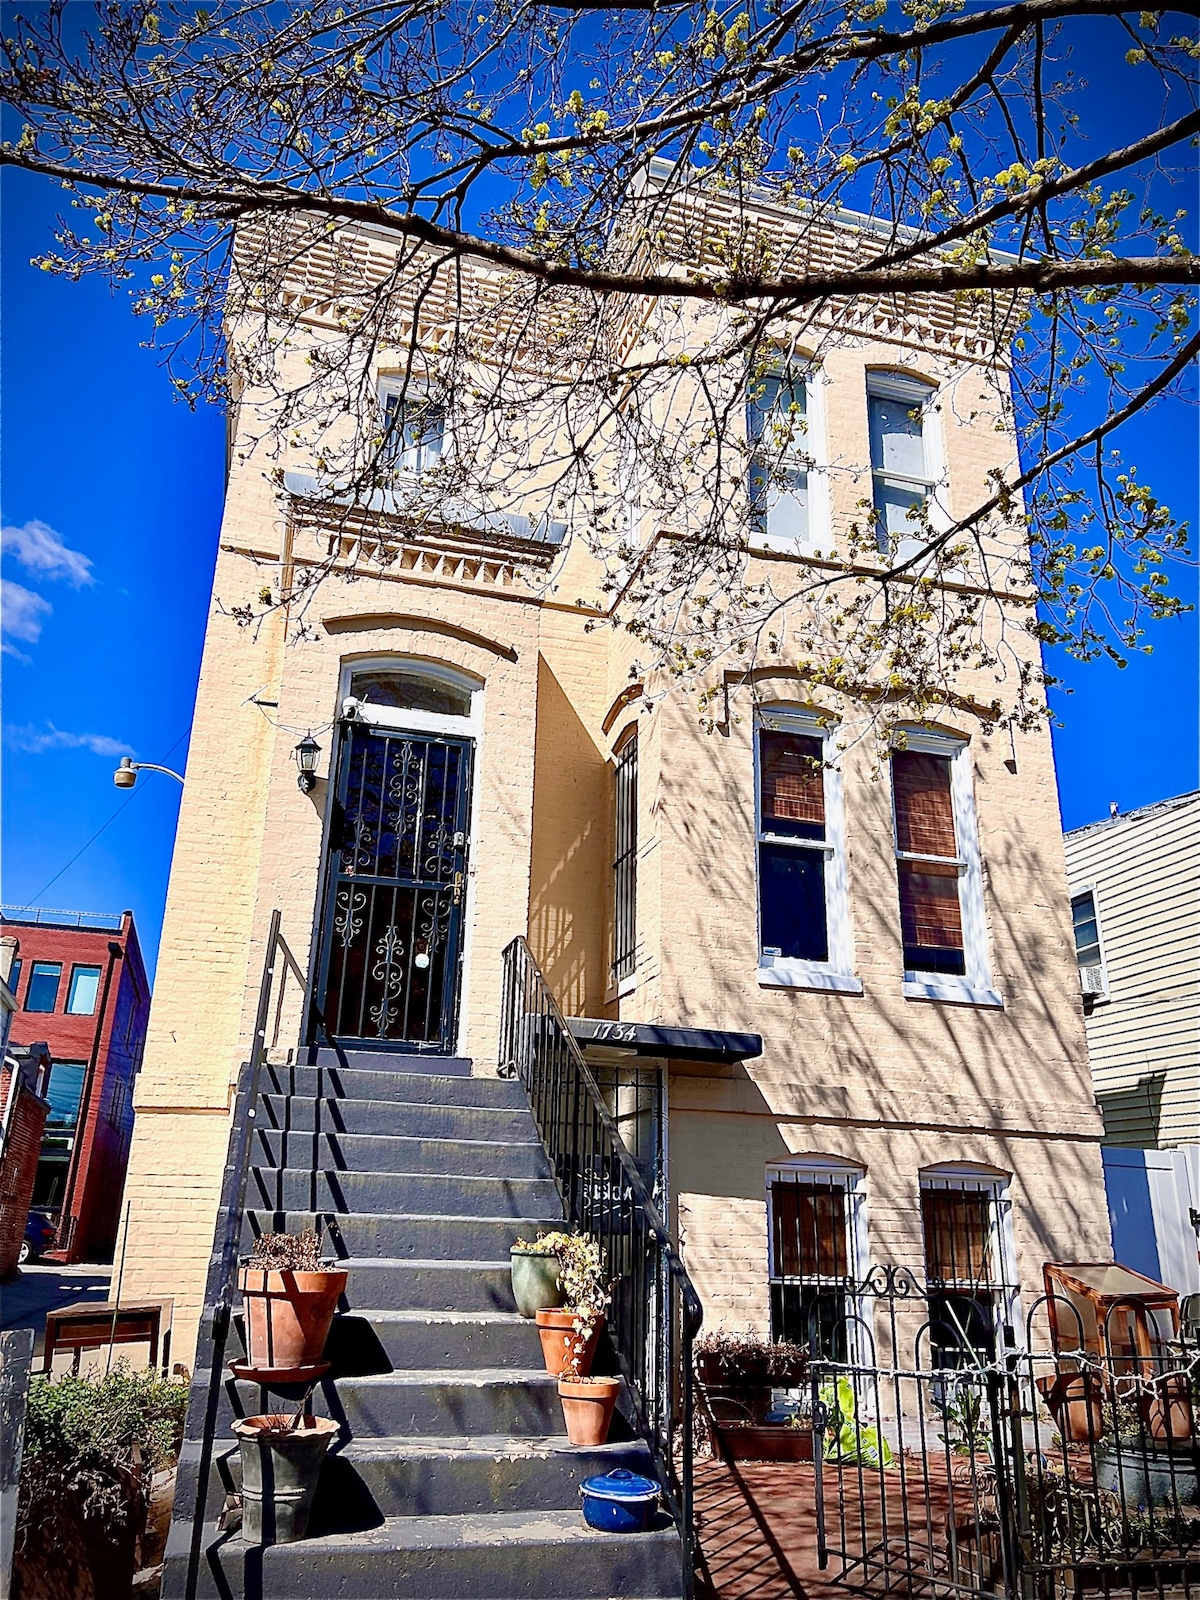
[1076, 1402]
[1168, 1411]
[561, 1347]
[588, 1405]
[288, 1316]
[535, 1280]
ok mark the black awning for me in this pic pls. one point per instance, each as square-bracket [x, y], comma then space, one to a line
[649, 1039]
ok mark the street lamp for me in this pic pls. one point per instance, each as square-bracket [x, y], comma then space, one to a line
[307, 753]
[126, 774]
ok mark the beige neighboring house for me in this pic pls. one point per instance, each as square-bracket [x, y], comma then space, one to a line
[894, 938]
[1135, 902]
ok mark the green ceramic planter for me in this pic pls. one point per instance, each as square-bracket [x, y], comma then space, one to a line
[535, 1281]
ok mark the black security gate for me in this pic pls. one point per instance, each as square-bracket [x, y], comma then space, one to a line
[391, 940]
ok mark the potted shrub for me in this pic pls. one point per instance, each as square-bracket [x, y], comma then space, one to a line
[588, 1405]
[737, 1372]
[535, 1270]
[281, 1463]
[568, 1335]
[289, 1296]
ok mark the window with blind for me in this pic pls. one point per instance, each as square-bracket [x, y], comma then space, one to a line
[968, 1273]
[928, 863]
[815, 1220]
[777, 430]
[414, 426]
[902, 470]
[624, 960]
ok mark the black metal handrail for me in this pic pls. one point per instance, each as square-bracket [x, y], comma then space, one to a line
[222, 1270]
[655, 1312]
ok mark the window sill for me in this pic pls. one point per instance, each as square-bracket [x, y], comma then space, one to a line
[804, 975]
[618, 991]
[778, 544]
[951, 991]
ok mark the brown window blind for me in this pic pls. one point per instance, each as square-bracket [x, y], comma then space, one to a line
[957, 1227]
[930, 910]
[810, 1230]
[924, 804]
[793, 781]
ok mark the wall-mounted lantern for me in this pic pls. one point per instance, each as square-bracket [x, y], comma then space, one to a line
[307, 754]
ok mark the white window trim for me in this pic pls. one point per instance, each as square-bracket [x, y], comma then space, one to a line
[779, 972]
[974, 987]
[1073, 893]
[853, 1178]
[914, 392]
[967, 1176]
[395, 384]
[819, 537]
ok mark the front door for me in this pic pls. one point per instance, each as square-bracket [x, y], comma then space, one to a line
[391, 936]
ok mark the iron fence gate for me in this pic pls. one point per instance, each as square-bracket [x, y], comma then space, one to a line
[1031, 1463]
[392, 921]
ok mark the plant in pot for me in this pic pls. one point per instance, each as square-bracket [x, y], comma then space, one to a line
[289, 1296]
[535, 1269]
[588, 1405]
[281, 1463]
[1075, 1400]
[569, 1333]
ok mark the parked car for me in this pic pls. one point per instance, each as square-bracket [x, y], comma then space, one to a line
[39, 1237]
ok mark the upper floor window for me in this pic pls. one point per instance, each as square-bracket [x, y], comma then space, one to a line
[83, 990]
[414, 426]
[816, 1221]
[777, 430]
[625, 861]
[14, 976]
[44, 979]
[903, 471]
[1093, 977]
[411, 689]
[942, 922]
[803, 917]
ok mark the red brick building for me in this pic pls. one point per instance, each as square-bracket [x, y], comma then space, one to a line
[80, 985]
[22, 1078]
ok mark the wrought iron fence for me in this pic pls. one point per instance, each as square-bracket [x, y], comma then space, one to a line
[655, 1312]
[1065, 1459]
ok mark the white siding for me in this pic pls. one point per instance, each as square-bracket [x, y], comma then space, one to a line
[1144, 1041]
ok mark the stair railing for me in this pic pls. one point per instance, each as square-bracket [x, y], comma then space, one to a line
[655, 1312]
[217, 1316]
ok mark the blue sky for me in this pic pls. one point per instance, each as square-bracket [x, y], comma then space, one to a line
[116, 491]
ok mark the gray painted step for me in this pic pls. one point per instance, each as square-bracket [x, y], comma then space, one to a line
[391, 1284]
[368, 1152]
[415, 1119]
[375, 1341]
[500, 1557]
[367, 1083]
[434, 1193]
[401, 1234]
[369, 1479]
[389, 1061]
[508, 1400]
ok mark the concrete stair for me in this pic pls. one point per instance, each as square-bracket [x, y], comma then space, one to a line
[452, 1476]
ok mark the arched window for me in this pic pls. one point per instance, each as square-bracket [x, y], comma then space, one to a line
[970, 1273]
[390, 694]
[817, 1249]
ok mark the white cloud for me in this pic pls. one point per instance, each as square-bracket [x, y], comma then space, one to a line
[40, 549]
[36, 740]
[22, 612]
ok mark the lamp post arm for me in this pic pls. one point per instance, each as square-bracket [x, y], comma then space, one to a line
[152, 766]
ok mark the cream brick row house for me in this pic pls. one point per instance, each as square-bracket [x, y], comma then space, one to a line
[846, 984]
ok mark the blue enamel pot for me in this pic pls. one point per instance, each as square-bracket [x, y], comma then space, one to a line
[619, 1502]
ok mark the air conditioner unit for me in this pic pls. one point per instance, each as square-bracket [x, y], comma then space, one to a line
[1092, 980]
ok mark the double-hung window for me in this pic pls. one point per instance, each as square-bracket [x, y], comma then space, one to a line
[903, 468]
[969, 1269]
[44, 979]
[1093, 976]
[816, 1245]
[625, 861]
[942, 922]
[83, 991]
[804, 934]
[414, 425]
[777, 430]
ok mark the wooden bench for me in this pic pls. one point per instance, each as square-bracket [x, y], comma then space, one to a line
[86, 1325]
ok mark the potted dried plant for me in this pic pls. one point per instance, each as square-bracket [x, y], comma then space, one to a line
[737, 1373]
[289, 1296]
[569, 1334]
